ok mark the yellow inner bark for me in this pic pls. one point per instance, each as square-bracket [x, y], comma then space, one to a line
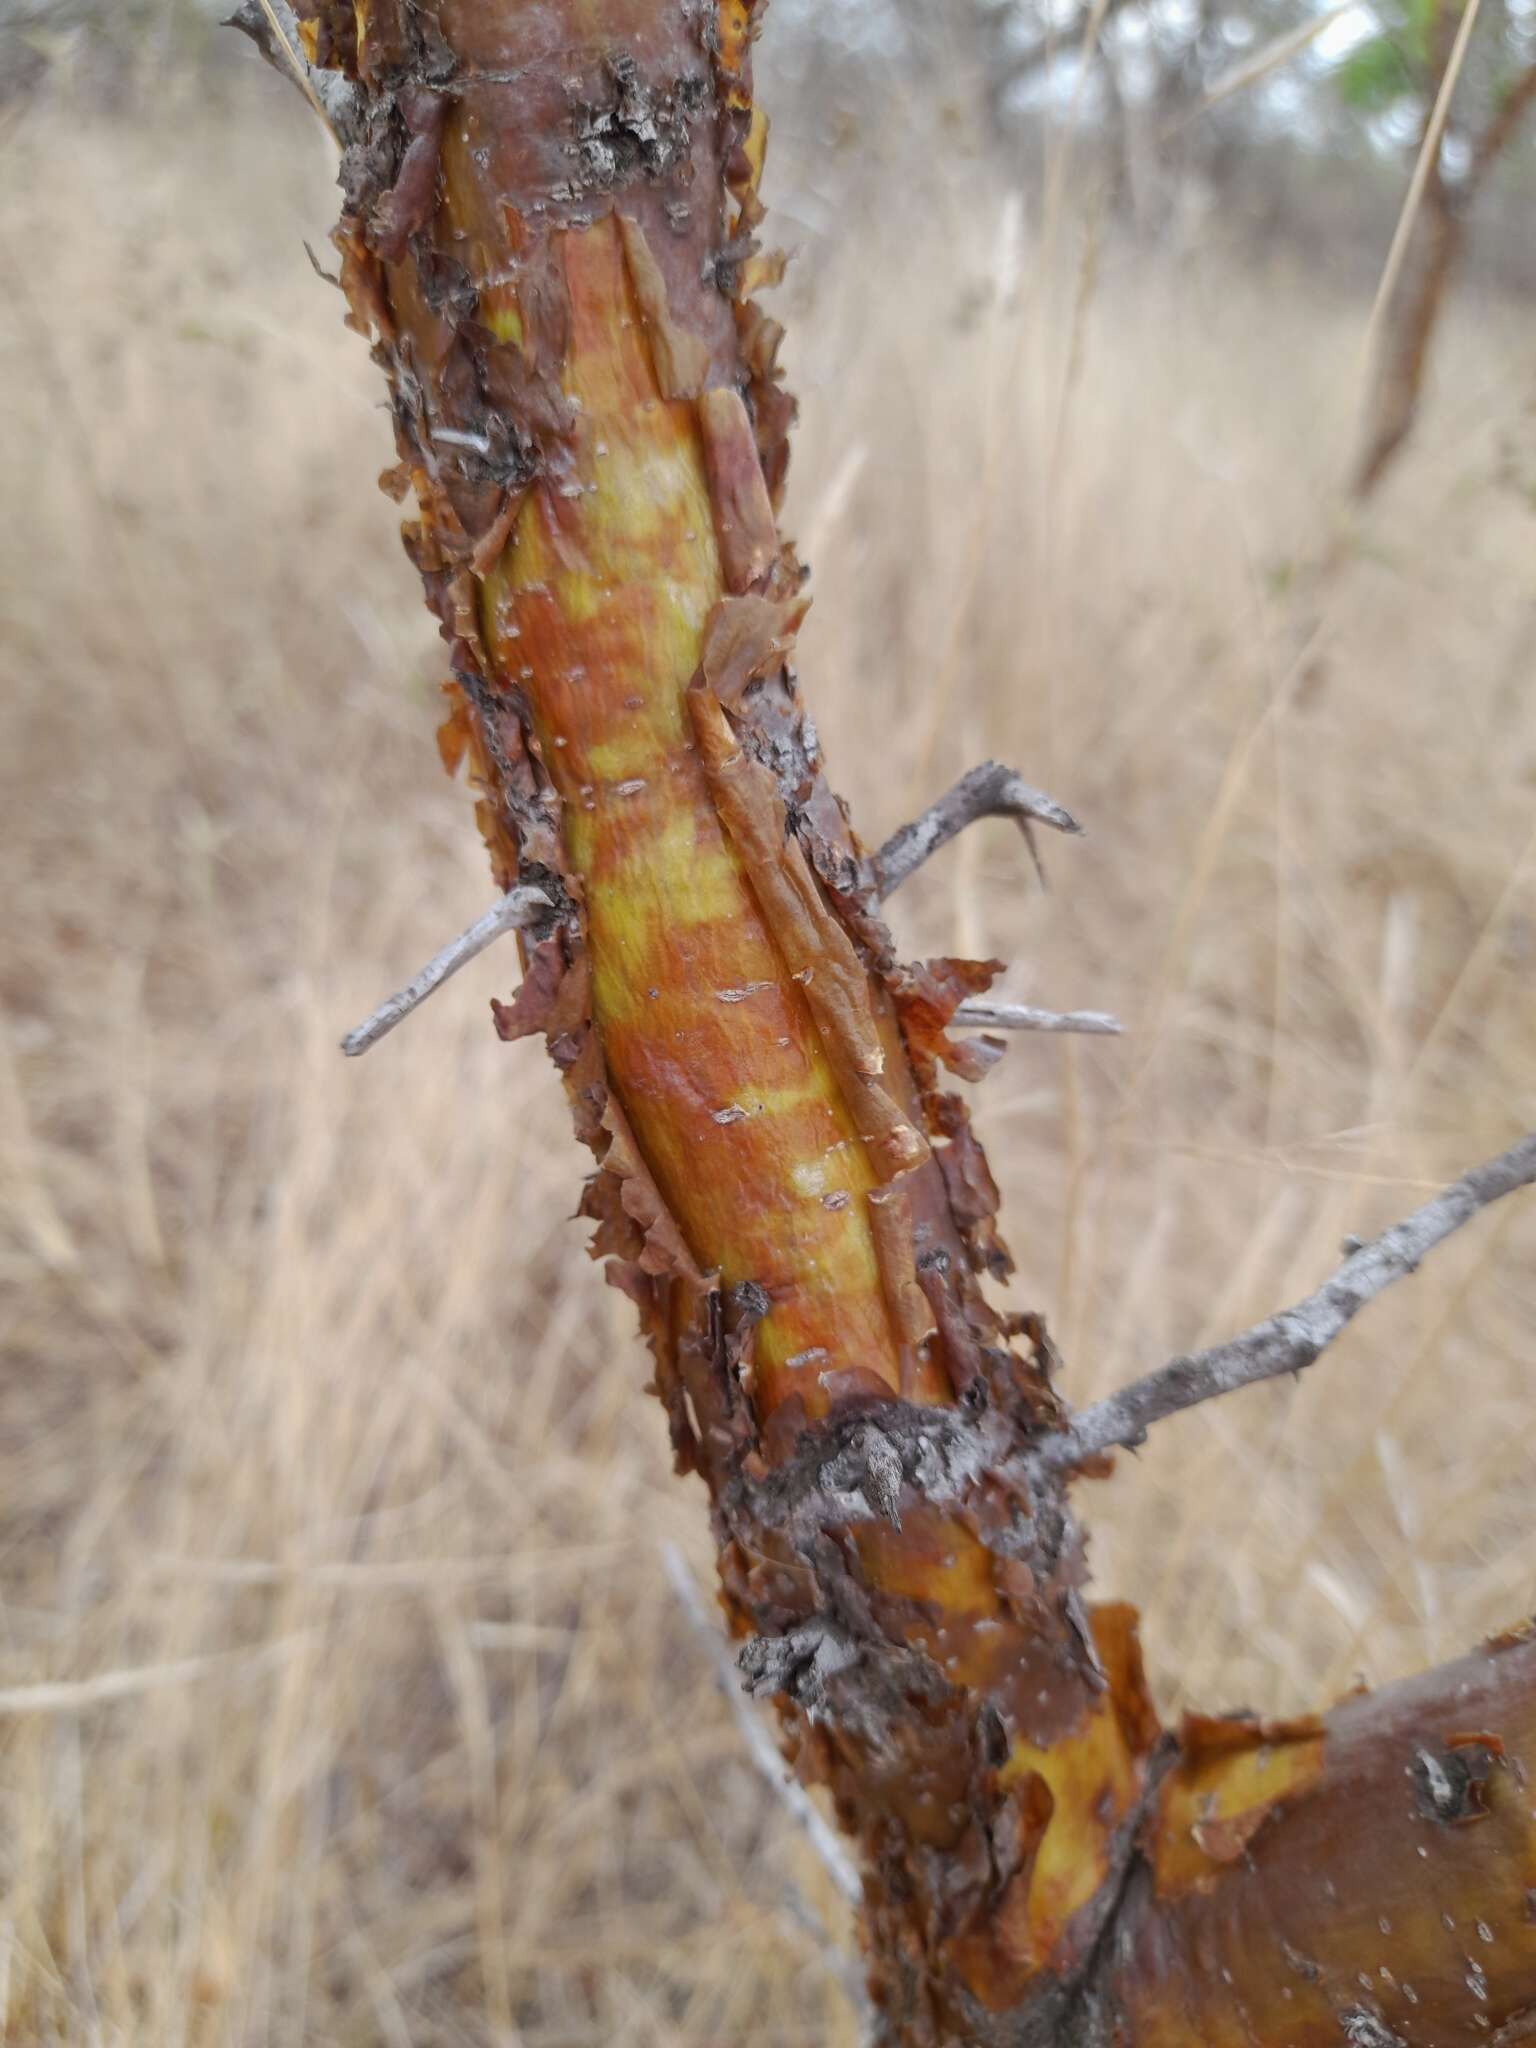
[597, 611]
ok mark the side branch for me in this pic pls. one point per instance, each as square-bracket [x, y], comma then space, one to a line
[990, 791]
[1361, 1878]
[1296, 1336]
[518, 907]
[273, 27]
[1024, 1017]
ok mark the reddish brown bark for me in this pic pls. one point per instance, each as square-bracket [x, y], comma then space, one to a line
[1413, 315]
[548, 234]
[1412, 318]
[1393, 1900]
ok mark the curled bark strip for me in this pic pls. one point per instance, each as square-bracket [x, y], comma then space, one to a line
[1233, 1775]
[492, 543]
[890, 1214]
[664, 1251]
[744, 521]
[745, 638]
[928, 996]
[533, 1006]
[973, 1192]
[818, 951]
[681, 357]
[410, 202]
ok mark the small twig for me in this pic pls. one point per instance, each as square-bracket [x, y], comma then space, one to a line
[1296, 1336]
[517, 907]
[1022, 1017]
[761, 1747]
[840, 1966]
[1252, 69]
[273, 27]
[990, 791]
[79, 1695]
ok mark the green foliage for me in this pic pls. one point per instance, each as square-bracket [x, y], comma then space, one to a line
[1376, 75]
[1394, 65]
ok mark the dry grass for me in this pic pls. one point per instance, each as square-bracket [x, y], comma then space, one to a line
[344, 1701]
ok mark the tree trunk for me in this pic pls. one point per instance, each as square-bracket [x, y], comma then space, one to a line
[1388, 1896]
[548, 235]
[1413, 316]
[1411, 319]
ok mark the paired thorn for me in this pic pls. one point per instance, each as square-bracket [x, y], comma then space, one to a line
[522, 906]
[1023, 1017]
[525, 906]
[990, 791]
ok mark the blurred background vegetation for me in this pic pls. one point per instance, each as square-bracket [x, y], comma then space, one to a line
[1294, 114]
[342, 1697]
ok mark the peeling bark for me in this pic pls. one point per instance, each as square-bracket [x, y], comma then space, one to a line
[1385, 1899]
[548, 236]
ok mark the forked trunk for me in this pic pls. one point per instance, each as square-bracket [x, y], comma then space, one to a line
[548, 235]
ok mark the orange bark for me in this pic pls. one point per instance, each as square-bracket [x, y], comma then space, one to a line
[1386, 1895]
[599, 605]
[548, 236]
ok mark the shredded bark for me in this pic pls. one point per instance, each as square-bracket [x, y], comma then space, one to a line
[548, 238]
[681, 357]
[818, 951]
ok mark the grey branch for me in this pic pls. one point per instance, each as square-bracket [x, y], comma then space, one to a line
[1296, 1336]
[273, 27]
[760, 1745]
[1023, 1017]
[990, 791]
[517, 907]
